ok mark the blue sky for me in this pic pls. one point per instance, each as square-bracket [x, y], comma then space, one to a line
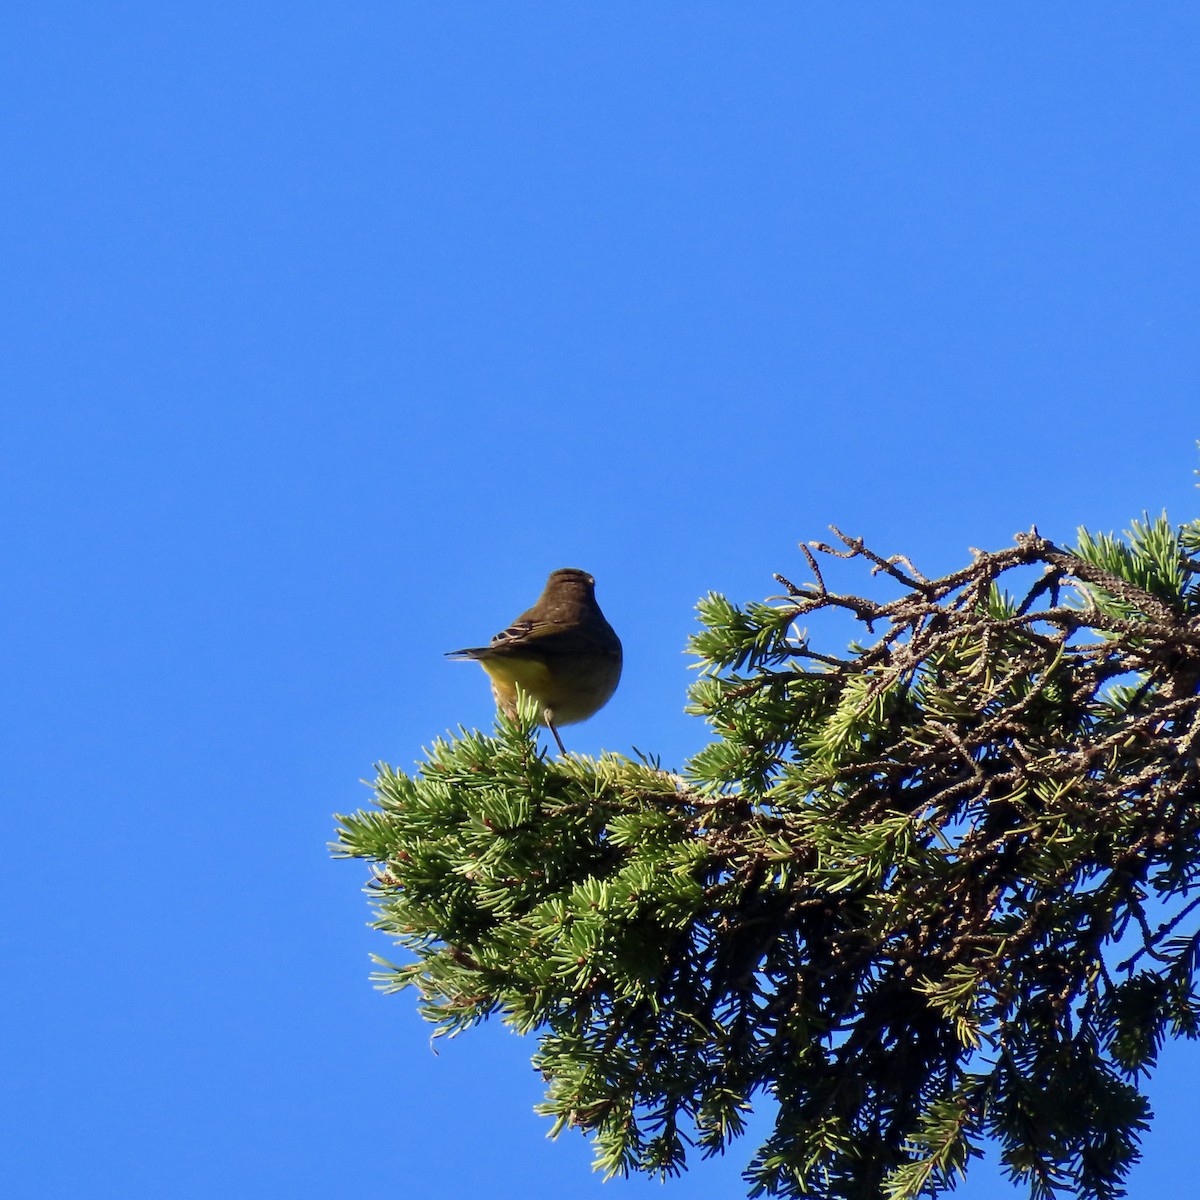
[328, 330]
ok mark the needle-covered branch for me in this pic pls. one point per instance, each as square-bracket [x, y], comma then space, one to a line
[936, 886]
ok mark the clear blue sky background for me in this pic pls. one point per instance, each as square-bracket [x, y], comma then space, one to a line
[328, 329]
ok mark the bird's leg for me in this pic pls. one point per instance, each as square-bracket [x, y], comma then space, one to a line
[549, 715]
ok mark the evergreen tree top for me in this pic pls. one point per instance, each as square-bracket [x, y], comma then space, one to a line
[937, 886]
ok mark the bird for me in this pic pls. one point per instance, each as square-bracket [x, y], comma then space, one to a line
[562, 652]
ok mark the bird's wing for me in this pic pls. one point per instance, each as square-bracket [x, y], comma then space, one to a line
[524, 637]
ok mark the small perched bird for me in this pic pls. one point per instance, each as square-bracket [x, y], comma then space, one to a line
[562, 652]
